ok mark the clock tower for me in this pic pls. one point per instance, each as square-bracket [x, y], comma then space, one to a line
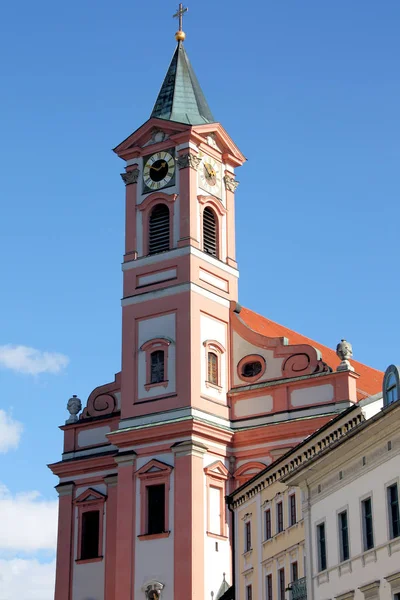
[209, 393]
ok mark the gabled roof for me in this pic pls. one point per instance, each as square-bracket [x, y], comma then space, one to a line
[370, 381]
[181, 98]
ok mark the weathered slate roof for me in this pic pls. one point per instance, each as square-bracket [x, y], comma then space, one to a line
[181, 98]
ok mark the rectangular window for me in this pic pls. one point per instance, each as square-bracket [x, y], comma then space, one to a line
[90, 534]
[281, 583]
[157, 360]
[295, 571]
[343, 536]
[268, 587]
[267, 524]
[368, 534]
[279, 517]
[247, 537]
[292, 509]
[321, 547]
[393, 507]
[155, 509]
[215, 509]
[249, 592]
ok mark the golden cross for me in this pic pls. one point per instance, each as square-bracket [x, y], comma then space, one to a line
[179, 15]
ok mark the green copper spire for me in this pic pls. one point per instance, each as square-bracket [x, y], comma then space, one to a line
[181, 98]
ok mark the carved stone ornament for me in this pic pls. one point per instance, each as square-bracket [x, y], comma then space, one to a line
[74, 406]
[188, 160]
[344, 350]
[130, 176]
[230, 183]
[153, 590]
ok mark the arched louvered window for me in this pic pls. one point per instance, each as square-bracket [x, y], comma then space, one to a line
[157, 366]
[159, 229]
[210, 236]
[212, 368]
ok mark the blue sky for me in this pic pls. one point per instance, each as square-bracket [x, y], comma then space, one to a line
[309, 91]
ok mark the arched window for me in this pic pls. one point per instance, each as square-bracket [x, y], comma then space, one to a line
[210, 236]
[159, 229]
[391, 385]
[212, 368]
[157, 366]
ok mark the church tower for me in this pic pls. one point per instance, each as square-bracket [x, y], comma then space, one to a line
[209, 393]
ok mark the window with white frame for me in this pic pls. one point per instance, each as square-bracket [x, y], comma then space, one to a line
[268, 587]
[281, 584]
[279, 517]
[267, 524]
[344, 548]
[292, 509]
[321, 547]
[247, 536]
[367, 522]
[393, 510]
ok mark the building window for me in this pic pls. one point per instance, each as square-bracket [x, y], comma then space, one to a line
[267, 524]
[279, 517]
[251, 368]
[321, 547]
[292, 509]
[90, 534]
[368, 533]
[393, 507]
[156, 357]
[295, 571]
[281, 584]
[391, 385]
[157, 366]
[249, 592]
[268, 587]
[344, 549]
[154, 479]
[216, 476]
[155, 509]
[210, 237]
[159, 229]
[247, 537]
[212, 368]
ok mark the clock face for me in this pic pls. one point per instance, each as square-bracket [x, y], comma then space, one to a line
[210, 176]
[159, 169]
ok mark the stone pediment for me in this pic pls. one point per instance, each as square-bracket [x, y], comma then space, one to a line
[90, 496]
[154, 467]
[217, 469]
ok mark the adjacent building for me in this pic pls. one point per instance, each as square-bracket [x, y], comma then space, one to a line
[209, 393]
[350, 499]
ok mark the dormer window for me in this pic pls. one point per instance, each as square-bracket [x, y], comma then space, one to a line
[210, 237]
[391, 385]
[159, 229]
[251, 368]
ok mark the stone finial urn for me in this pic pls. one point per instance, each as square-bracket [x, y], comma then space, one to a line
[74, 406]
[344, 350]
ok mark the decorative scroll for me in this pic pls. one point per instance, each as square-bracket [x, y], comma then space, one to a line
[97, 406]
[188, 160]
[322, 367]
[230, 183]
[130, 176]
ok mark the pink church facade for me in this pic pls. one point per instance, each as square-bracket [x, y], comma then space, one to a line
[208, 394]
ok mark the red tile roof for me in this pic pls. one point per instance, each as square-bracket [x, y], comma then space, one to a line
[370, 381]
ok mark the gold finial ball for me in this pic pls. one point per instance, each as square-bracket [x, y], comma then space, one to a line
[180, 36]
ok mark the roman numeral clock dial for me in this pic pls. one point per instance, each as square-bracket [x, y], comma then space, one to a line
[158, 171]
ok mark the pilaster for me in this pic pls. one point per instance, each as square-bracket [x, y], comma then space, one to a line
[130, 179]
[65, 545]
[188, 162]
[111, 537]
[125, 518]
[189, 520]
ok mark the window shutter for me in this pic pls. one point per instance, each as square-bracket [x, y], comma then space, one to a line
[159, 229]
[210, 242]
[213, 368]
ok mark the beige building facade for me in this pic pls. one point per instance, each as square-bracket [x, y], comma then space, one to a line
[351, 507]
[270, 552]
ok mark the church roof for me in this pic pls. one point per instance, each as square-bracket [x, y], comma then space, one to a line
[370, 381]
[181, 98]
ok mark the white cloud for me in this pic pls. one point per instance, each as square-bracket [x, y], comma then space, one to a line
[28, 522]
[10, 432]
[23, 359]
[26, 579]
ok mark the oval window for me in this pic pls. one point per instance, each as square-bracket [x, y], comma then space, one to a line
[251, 369]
